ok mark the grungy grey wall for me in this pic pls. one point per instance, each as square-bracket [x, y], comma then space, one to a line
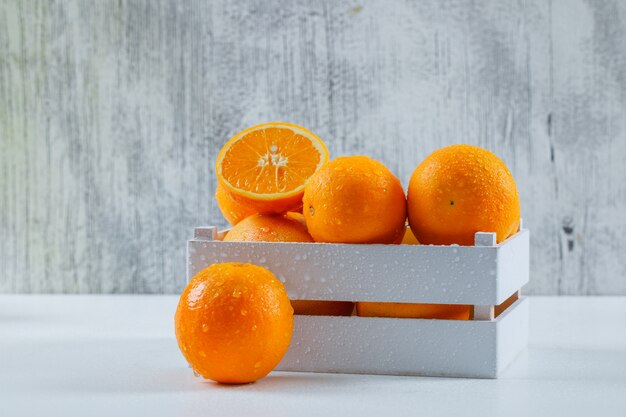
[111, 114]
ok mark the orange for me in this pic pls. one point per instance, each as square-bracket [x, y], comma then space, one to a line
[417, 311]
[322, 308]
[266, 167]
[458, 191]
[234, 322]
[409, 238]
[232, 210]
[269, 228]
[355, 199]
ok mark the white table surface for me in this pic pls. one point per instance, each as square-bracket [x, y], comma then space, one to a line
[117, 356]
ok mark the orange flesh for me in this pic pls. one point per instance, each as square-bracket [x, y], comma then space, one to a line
[272, 160]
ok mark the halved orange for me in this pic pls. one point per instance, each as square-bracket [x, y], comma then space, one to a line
[267, 166]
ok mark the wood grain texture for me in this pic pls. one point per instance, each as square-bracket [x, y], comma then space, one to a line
[111, 114]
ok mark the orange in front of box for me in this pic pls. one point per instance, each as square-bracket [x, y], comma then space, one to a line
[234, 322]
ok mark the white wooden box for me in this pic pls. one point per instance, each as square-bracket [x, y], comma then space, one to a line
[485, 275]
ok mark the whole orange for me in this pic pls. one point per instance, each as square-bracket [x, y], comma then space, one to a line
[269, 228]
[354, 199]
[234, 322]
[233, 210]
[416, 311]
[458, 191]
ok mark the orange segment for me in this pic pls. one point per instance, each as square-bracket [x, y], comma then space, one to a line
[267, 166]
